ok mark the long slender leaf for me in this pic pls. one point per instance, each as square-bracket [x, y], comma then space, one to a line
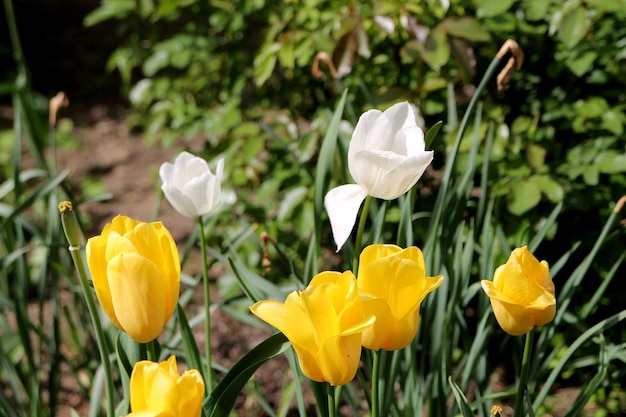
[222, 399]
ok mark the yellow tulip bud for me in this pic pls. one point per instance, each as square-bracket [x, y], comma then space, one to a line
[135, 269]
[159, 390]
[393, 283]
[324, 324]
[521, 293]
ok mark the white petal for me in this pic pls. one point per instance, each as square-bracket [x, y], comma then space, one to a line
[181, 202]
[401, 115]
[391, 175]
[342, 204]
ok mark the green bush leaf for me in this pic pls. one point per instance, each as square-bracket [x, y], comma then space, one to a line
[467, 28]
[550, 187]
[573, 27]
[523, 196]
[611, 162]
[490, 8]
[436, 50]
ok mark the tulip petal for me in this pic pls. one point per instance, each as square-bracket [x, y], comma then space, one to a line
[342, 204]
[191, 391]
[388, 175]
[138, 296]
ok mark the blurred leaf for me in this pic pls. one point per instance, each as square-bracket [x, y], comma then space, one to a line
[155, 62]
[551, 188]
[611, 162]
[523, 196]
[579, 65]
[264, 62]
[607, 5]
[467, 28]
[490, 8]
[436, 50]
[536, 9]
[109, 9]
[290, 202]
[535, 155]
[573, 27]
[591, 174]
[140, 94]
[613, 121]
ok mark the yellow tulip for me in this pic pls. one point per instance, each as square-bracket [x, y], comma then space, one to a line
[136, 275]
[324, 324]
[393, 283]
[521, 293]
[159, 390]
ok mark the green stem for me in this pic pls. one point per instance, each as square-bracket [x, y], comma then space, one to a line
[151, 351]
[521, 388]
[18, 56]
[207, 308]
[332, 404]
[359, 233]
[375, 384]
[79, 262]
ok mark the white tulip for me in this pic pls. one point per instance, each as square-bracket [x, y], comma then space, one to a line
[386, 157]
[190, 186]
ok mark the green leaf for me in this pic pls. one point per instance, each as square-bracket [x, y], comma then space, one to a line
[536, 9]
[490, 8]
[155, 62]
[467, 28]
[535, 155]
[613, 122]
[611, 162]
[523, 196]
[573, 27]
[140, 93]
[264, 62]
[581, 64]
[436, 50]
[222, 399]
[431, 134]
[607, 5]
[551, 188]
[110, 9]
[591, 175]
[461, 400]
[190, 346]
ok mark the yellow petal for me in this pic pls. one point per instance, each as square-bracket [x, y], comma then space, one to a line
[191, 390]
[138, 296]
[97, 264]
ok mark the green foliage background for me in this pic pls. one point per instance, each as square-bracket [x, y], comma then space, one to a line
[240, 75]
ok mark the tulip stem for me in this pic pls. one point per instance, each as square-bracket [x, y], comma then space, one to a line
[359, 233]
[332, 403]
[521, 389]
[151, 351]
[375, 385]
[207, 308]
[77, 257]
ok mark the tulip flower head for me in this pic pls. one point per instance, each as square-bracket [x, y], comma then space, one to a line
[135, 269]
[521, 293]
[386, 157]
[324, 324]
[159, 390]
[190, 186]
[393, 283]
